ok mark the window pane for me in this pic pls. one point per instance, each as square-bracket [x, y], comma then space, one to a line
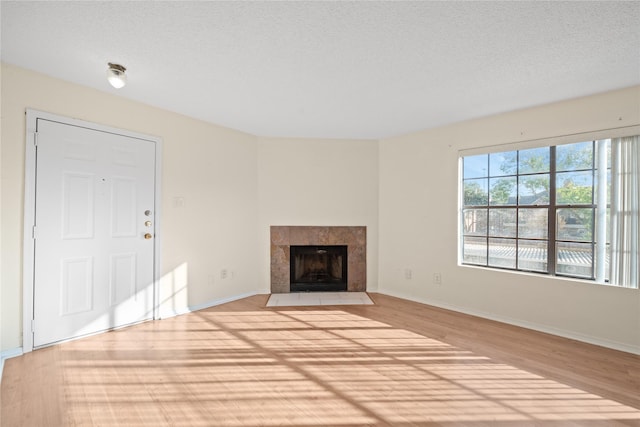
[507, 203]
[533, 223]
[574, 156]
[502, 253]
[475, 166]
[575, 224]
[502, 164]
[474, 250]
[575, 259]
[476, 192]
[532, 255]
[533, 160]
[502, 222]
[475, 222]
[533, 190]
[503, 191]
[574, 188]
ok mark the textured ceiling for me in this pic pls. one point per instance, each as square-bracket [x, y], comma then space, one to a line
[332, 69]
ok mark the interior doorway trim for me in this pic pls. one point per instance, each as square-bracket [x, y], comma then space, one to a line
[28, 255]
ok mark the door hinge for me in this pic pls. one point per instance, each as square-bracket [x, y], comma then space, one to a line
[33, 232]
[35, 139]
[33, 325]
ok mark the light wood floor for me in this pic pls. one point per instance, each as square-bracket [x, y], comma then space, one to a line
[397, 363]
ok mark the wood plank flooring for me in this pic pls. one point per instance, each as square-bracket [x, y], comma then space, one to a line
[396, 363]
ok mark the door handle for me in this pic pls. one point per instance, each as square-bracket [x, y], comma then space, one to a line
[148, 236]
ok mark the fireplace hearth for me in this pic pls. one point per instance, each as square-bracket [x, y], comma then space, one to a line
[318, 268]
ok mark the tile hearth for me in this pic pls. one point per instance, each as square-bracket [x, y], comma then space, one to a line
[306, 299]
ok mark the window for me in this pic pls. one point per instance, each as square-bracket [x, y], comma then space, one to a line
[548, 210]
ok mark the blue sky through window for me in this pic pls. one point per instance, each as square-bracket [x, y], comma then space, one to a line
[476, 166]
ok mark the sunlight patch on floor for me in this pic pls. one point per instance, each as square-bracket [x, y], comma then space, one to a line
[307, 368]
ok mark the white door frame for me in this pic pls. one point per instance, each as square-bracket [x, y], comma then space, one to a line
[28, 256]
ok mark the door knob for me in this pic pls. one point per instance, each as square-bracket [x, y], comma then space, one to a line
[147, 236]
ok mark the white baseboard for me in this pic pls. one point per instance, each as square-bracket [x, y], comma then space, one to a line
[523, 324]
[215, 302]
[7, 354]
[211, 303]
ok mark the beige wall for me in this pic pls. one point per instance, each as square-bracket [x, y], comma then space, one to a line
[418, 227]
[318, 182]
[404, 190]
[214, 169]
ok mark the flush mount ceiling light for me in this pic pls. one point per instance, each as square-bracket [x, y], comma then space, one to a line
[116, 75]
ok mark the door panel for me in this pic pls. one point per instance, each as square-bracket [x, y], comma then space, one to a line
[122, 279]
[93, 266]
[123, 207]
[77, 285]
[77, 205]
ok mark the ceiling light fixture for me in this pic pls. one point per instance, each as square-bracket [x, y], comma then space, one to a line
[116, 75]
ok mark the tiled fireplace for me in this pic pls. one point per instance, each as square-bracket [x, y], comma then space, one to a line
[283, 237]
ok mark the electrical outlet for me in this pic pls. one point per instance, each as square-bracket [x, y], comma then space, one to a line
[437, 278]
[224, 273]
[408, 274]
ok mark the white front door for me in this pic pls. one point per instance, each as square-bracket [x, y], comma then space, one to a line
[94, 231]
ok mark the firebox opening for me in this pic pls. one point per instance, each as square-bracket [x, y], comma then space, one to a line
[318, 268]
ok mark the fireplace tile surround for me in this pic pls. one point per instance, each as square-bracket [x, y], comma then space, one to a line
[355, 238]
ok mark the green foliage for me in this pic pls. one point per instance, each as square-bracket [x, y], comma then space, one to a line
[571, 194]
[532, 165]
[574, 156]
[533, 161]
[538, 186]
[507, 161]
[501, 190]
[474, 194]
